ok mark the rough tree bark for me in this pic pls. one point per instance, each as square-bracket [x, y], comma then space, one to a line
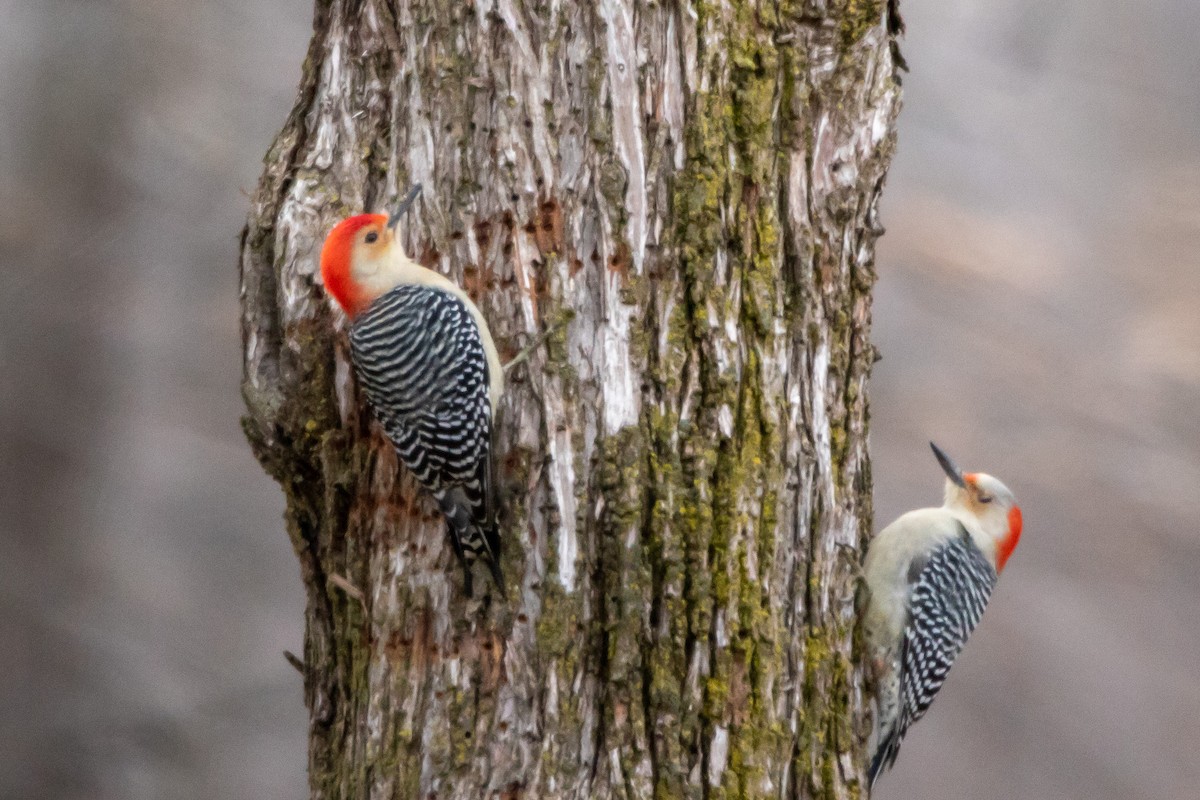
[685, 193]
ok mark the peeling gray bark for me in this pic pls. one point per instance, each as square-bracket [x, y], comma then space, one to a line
[686, 196]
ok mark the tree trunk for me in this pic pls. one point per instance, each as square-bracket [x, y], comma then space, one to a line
[685, 195]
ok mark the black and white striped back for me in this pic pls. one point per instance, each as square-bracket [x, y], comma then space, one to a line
[418, 353]
[949, 595]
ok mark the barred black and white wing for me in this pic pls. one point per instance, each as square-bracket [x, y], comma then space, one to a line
[420, 358]
[949, 594]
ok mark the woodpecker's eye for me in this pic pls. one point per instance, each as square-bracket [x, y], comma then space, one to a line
[983, 498]
[371, 237]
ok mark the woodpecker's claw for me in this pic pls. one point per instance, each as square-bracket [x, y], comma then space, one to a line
[853, 561]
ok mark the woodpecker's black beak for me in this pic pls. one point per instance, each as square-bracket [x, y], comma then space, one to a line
[405, 204]
[952, 470]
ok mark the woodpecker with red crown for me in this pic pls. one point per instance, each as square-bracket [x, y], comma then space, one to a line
[929, 576]
[425, 358]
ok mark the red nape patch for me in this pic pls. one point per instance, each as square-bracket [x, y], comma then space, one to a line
[1009, 543]
[335, 261]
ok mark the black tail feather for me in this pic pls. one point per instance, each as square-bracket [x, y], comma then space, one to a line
[456, 543]
[491, 539]
[885, 755]
[470, 540]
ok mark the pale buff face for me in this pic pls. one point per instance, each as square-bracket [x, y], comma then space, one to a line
[378, 262]
[985, 498]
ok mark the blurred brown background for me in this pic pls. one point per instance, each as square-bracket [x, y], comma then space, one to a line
[1036, 310]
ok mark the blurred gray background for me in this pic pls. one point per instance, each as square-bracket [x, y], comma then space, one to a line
[1036, 311]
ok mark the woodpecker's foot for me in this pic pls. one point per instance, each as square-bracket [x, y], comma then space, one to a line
[853, 562]
[536, 343]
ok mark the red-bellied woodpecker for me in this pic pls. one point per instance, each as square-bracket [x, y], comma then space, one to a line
[425, 358]
[929, 576]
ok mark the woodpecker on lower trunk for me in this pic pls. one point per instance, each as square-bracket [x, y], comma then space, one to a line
[929, 576]
[424, 356]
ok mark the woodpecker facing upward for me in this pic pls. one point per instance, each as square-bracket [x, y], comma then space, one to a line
[425, 358]
[929, 575]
